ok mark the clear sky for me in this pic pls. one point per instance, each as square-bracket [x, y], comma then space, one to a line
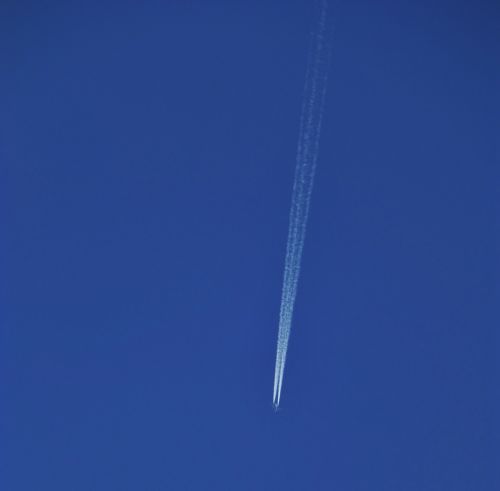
[147, 152]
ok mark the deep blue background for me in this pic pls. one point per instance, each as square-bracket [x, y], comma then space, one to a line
[147, 154]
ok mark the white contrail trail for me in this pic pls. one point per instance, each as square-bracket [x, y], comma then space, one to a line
[307, 154]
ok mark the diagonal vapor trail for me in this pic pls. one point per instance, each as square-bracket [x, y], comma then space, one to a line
[307, 155]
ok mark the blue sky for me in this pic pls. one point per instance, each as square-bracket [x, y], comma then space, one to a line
[148, 152]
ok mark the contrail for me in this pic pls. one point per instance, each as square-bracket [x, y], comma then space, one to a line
[307, 154]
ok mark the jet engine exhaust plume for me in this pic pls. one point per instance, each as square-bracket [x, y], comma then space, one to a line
[307, 154]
